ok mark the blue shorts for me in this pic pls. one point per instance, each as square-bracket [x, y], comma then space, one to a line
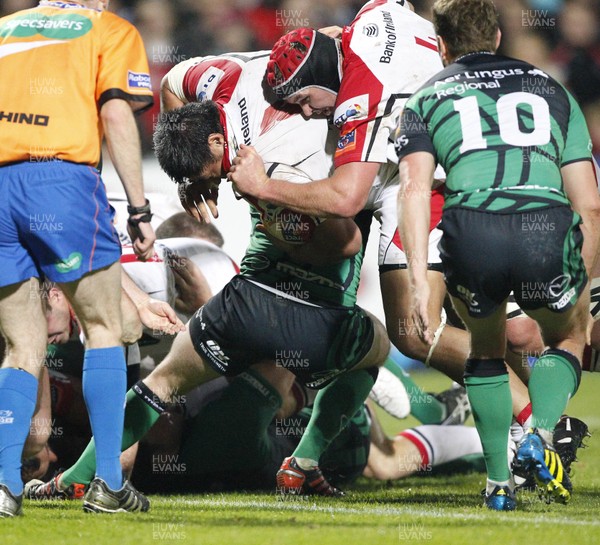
[55, 222]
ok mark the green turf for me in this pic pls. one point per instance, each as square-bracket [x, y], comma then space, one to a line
[443, 510]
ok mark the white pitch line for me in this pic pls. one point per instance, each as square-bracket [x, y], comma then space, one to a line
[305, 506]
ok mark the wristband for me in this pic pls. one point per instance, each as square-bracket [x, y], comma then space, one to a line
[134, 210]
[134, 222]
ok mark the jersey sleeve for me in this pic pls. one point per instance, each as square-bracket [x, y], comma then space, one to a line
[357, 116]
[123, 67]
[205, 78]
[412, 134]
[578, 144]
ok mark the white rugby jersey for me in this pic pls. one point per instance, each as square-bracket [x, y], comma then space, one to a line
[389, 52]
[234, 82]
[155, 277]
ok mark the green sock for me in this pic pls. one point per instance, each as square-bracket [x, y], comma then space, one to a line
[423, 406]
[553, 381]
[139, 418]
[334, 406]
[491, 403]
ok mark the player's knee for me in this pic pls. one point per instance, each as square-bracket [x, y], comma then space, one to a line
[523, 336]
[411, 345]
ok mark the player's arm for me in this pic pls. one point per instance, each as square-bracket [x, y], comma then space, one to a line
[333, 241]
[414, 196]
[193, 290]
[342, 195]
[123, 141]
[581, 189]
[168, 99]
[578, 170]
[156, 315]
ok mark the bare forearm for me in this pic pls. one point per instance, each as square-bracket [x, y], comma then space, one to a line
[414, 215]
[137, 295]
[580, 186]
[319, 198]
[123, 141]
[342, 195]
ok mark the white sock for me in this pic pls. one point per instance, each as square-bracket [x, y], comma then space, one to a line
[442, 444]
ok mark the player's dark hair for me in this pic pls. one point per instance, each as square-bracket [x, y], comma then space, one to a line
[181, 139]
[466, 25]
[183, 225]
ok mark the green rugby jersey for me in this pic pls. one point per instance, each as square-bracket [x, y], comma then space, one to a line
[501, 128]
[335, 284]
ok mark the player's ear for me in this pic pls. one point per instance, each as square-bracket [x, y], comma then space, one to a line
[442, 50]
[498, 38]
[216, 139]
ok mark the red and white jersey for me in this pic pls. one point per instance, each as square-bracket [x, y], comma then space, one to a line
[155, 277]
[389, 52]
[234, 81]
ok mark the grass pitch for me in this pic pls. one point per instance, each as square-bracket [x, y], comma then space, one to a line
[445, 510]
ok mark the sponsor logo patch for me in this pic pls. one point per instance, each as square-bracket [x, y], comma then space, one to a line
[208, 83]
[371, 30]
[347, 142]
[72, 263]
[6, 417]
[138, 80]
[65, 26]
[351, 109]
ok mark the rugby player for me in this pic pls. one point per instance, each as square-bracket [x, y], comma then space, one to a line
[363, 81]
[87, 73]
[514, 159]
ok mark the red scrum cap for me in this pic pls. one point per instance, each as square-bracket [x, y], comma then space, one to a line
[304, 58]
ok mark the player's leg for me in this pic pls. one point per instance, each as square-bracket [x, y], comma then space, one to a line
[448, 354]
[452, 348]
[179, 372]
[423, 448]
[487, 383]
[556, 374]
[334, 406]
[41, 421]
[23, 324]
[230, 435]
[96, 299]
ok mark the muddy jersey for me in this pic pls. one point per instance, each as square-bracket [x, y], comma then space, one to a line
[249, 111]
[60, 62]
[501, 128]
[389, 51]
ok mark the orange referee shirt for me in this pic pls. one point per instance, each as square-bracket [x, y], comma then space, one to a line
[59, 63]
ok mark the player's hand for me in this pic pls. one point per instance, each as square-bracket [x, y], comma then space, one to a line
[420, 311]
[247, 172]
[192, 288]
[159, 316]
[143, 237]
[199, 198]
[332, 31]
